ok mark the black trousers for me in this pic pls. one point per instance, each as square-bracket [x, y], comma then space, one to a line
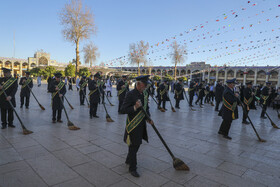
[58, 117]
[4, 116]
[225, 126]
[177, 103]
[102, 96]
[93, 109]
[163, 103]
[82, 98]
[131, 158]
[264, 107]
[120, 104]
[109, 93]
[70, 87]
[199, 99]
[217, 105]
[26, 101]
[245, 113]
[191, 100]
[211, 96]
[207, 98]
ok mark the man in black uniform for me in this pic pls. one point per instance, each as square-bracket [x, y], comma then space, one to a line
[102, 86]
[58, 90]
[83, 89]
[50, 80]
[219, 95]
[229, 110]
[248, 101]
[207, 93]
[70, 83]
[135, 129]
[201, 94]
[9, 85]
[122, 88]
[264, 98]
[26, 84]
[191, 92]
[163, 91]
[94, 96]
[178, 96]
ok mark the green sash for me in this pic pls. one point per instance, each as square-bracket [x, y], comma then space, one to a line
[264, 97]
[230, 107]
[92, 92]
[178, 93]
[132, 124]
[26, 83]
[122, 90]
[248, 102]
[163, 91]
[84, 84]
[60, 86]
[7, 84]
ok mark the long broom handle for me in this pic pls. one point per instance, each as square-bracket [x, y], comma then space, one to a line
[103, 103]
[169, 100]
[33, 94]
[243, 107]
[63, 106]
[21, 123]
[107, 97]
[186, 97]
[159, 135]
[266, 114]
[85, 96]
[67, 101]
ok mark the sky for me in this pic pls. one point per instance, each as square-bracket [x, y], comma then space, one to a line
[218, 32]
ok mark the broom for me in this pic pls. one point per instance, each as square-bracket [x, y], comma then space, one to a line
[257, 134]
[177, 163]
[86, 98]
[212, 104]
[188, 102]
[172, 108]
[160, 108]
[278, 113]
[271, 122]
[43, 108]
[24, 130]
[69, 103]
[108, 118]
[70, 125]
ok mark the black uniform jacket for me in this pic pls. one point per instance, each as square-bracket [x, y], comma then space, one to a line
[56, 103]
[230, 98]
[119, 87]
[25, 92]
[140, 132]
[219, 93]
[247, 92]
[163, 97]
[192, 89]
[95, 96]
[11, 91]
[265, 92]
[84, 88]
[179, 91]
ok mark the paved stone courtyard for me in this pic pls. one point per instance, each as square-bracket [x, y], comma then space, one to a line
[95, 155]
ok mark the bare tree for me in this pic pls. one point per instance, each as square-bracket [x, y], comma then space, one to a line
[178, 56]
[78, 24]
[137, 53]
[90, 53]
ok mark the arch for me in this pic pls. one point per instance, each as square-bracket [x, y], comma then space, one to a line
[143, 71]
[274, 74]
[153, 70]
[196, 75]
[183, 72]
[261, 74]
[43, 61]
[230, 73]
[16, 64]
[221, 73]
[213, 73]
[8, 63]
[189, 71]
[239, 74]
[170, 72]
[33, 65]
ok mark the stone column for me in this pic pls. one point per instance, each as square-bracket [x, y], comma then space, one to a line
[208, 76]
[255, 77]
[278, 83]
[225, 75]
[266, 77]
[217, 75]
[12, 68]
[235, 73]
[244, 78]
[203, 76]
[20, 69]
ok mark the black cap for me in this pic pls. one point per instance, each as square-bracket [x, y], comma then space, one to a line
[97, 75]
[27, 73]
[124, 76]
[249, 83]
[6, 70]
[180, 80]
[231, 81]
[143, 78]
[268, 83]
[84, 77]
[58, 75]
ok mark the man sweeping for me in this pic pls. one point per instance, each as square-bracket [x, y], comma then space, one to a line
[248, 101]
[122, 88]
[58, 90]
[94, 96]
[26, 84]
[135, 129]
[9, 85]
[178, 96]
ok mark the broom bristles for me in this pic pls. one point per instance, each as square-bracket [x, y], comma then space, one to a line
[278, 115]
[108, 118]
[173, 110]
[162, 110]
[43, 108]
[274, 125]
[262, 140]
[71, 126]
[180, 165]
[25, 131]
[112, 104]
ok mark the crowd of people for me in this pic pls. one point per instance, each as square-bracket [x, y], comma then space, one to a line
[135, 101]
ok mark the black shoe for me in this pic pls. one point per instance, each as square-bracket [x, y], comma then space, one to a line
[227, 137]
[263, 117]
[127, 163]
[165, 109]
[12, 126]
[21, 106]
[27, 107]
[90, 116]
[196, 103]
[82, 104]
[134, 174]
[3, 127]
[216, 110]
[53, 121]
[220, 132]
[245, 122]
[96, 116]
[60, 121]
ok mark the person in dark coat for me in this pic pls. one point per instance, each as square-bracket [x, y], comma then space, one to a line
[83, 89]
[229, 110]
[178, 96]
[50, 80]
[163, 94]
[9, 85]
[70, 83]
[122, 88]
[102, 86]
[248, 101]
[26, 85]
[58, 90]
[219, 95]
[201, 93]
[94, 96]
[135, 132]
[191, 91]
[264, 98]
[207, 93]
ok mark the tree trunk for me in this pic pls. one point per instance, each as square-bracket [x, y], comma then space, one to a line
[175, 71]
[138, 68]
[77, 57]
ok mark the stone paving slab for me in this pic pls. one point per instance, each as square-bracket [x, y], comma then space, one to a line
[95, 155]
